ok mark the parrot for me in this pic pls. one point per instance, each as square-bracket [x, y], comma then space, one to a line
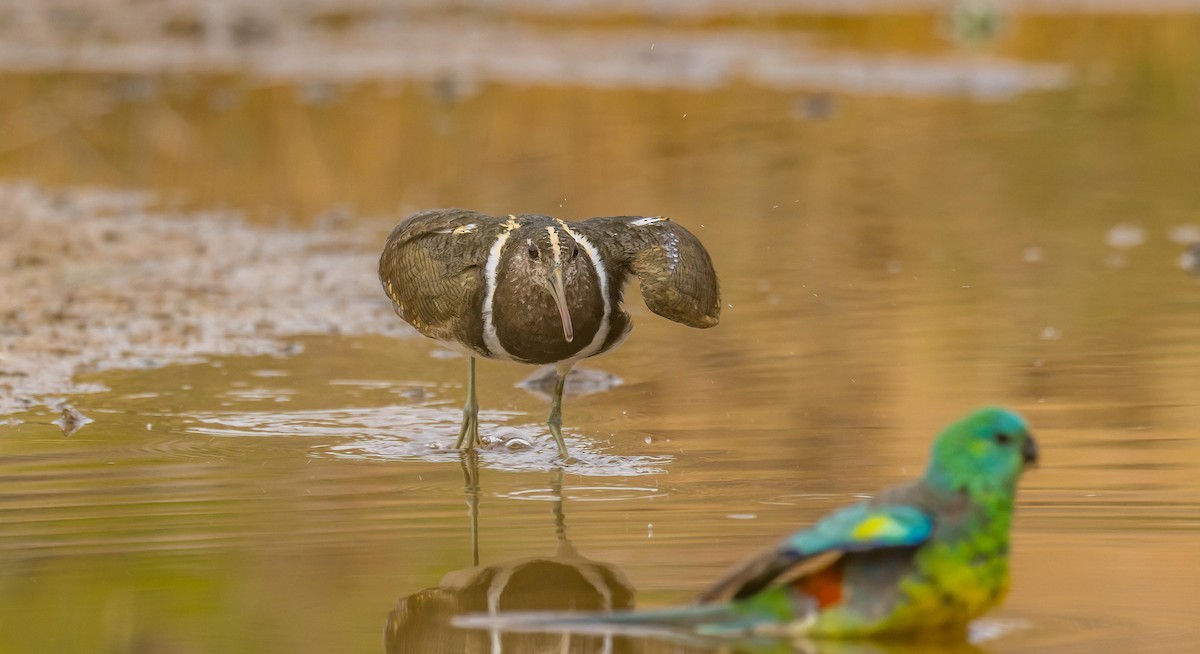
[923, 557]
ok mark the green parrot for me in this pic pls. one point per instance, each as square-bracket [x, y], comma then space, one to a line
[926, 556]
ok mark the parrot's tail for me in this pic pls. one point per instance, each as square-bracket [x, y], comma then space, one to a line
[705, 621]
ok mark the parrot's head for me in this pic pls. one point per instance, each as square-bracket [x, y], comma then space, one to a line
[986, 452]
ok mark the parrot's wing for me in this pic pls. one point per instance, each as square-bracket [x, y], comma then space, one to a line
[853, 529]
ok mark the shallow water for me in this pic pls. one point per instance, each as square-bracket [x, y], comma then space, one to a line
[887, 263]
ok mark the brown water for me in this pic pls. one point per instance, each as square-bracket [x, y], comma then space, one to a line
[888, 262]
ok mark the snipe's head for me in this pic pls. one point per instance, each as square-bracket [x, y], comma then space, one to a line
[984, 452]
[547, 258]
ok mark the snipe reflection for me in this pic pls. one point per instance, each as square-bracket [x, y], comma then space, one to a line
[564, 580]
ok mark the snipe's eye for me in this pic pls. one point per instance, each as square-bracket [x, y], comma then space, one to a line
[533, 251]
[575, 252]
[1003, 439]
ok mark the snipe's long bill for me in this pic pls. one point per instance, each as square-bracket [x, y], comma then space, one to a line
[539, 290]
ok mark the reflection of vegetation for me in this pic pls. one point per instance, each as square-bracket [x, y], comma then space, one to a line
[975, 22]
[564, 580]
[309, 148]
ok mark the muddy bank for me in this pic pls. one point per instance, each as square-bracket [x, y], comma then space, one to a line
[93, 280]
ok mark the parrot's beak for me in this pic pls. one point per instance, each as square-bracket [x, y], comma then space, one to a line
[558, 289]
[1029, 451]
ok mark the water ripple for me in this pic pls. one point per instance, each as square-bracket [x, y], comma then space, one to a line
[426, 433]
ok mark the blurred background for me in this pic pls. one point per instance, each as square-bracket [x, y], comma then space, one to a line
[915, 208]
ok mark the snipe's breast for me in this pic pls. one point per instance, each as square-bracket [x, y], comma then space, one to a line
[527, 323]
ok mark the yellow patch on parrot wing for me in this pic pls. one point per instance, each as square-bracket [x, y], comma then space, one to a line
[878, 526]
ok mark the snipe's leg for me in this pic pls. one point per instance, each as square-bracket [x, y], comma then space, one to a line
[468, 434]
[554, 420]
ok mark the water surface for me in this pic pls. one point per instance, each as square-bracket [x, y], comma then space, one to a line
[888, 262]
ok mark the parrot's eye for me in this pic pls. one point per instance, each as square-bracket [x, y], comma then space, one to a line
[533, 251]
[1003, 439]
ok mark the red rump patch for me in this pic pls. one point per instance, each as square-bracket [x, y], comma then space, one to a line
[824, 585]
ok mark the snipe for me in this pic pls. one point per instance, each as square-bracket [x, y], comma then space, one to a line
[538, 290]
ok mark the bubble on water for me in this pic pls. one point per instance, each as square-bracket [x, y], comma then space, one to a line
[1184, 234]
[1125, 236]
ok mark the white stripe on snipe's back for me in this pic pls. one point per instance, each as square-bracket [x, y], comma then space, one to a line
[642, 222]
[462, 229]
[554, 244]
[594, 255]
[490, 339]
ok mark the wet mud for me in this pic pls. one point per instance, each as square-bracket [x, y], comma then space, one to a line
[94, 280]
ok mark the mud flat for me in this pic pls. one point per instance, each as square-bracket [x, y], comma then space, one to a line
[96, 279]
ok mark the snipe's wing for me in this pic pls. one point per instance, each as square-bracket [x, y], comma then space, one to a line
[432, 264]
[675, 272]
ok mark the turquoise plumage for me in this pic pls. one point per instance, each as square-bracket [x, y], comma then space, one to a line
[928, 555]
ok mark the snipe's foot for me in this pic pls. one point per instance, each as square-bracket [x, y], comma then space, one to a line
[468, 434]
[556, 431]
